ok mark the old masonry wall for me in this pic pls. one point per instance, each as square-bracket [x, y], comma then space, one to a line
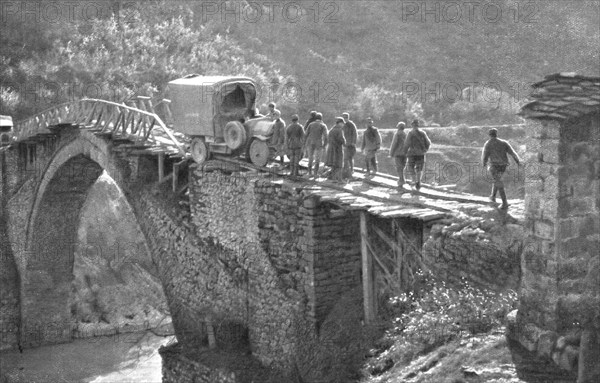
[270, 261]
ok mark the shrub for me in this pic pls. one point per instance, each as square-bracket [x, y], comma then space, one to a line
[436, 313]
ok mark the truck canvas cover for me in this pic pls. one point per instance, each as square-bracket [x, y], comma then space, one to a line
[6, 122]
[202, 105]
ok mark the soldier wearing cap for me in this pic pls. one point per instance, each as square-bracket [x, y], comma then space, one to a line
[335, 154]
[350, 134]
[495, 152]
[294, 140]
[397, 151]
[370, 145]
[415, 146]
[278, 138]
[314, 142]
[313, 117]
[272, 109]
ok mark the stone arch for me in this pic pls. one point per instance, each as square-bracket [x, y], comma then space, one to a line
[46, 267]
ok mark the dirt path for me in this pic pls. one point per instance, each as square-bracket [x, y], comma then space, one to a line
[114, 359]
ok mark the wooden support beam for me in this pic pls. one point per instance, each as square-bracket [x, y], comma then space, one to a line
[176, 167]
[161, 167]
[367, 271]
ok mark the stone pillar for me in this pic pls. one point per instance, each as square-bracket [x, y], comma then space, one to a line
[560, 286]
[538, 261]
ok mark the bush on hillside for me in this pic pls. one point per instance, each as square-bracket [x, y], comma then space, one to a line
[435, 313]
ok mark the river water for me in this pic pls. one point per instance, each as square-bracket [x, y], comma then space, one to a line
[112, 359]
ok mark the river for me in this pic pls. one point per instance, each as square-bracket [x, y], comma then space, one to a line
[112, 359]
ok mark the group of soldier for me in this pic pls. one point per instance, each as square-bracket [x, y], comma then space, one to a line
[339, 144]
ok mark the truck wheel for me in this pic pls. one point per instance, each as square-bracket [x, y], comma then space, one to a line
[259, 152]
[199, 150]
[234, 135]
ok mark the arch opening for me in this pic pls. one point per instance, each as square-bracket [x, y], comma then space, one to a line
[85, 255]
[46, 287]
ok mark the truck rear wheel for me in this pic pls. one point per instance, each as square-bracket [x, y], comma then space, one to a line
[234, 135]
[259, 152]
[199, 150]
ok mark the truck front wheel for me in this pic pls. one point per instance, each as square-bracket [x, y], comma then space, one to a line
[258, 152]
[199, 150]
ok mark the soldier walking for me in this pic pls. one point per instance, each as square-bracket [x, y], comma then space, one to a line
[315, 141]
[495, 152]
[294, 140]
[350, 134]
[370, 145]
[416, 145]
[398, 153]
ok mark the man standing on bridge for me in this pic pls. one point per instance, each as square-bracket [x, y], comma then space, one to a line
[398, 153]
[350, 134]
[278, 139]
[495, 151]
[294, 139]
[315, 141]
[416, 145]
[336, 142]
[370, 145]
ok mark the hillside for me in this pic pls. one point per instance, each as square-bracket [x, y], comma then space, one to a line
[379, 58]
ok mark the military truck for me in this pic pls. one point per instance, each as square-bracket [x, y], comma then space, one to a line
[220, 116]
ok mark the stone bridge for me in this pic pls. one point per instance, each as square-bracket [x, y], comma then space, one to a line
[247, 259]
[283, 270]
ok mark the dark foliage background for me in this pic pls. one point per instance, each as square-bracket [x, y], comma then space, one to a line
[361, 56]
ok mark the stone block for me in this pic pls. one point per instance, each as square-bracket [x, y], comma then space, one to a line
[541, 169]
[546, 343]
[550, 129]
[548, 150]
[549, 208]
[588, 367]
[543, 229]
[543, 128]
[568, 358]
[568, 227]
[529, 335]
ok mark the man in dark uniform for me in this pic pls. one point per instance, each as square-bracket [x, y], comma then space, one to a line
[350, 134]
[314, 142]
[495, 152]
[415, 146]
[294, 141]
[336, 144]
[370, 145]
[398, 153]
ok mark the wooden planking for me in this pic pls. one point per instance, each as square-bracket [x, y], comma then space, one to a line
[404, 213]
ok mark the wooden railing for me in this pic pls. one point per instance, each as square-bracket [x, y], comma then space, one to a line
[135, 123]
